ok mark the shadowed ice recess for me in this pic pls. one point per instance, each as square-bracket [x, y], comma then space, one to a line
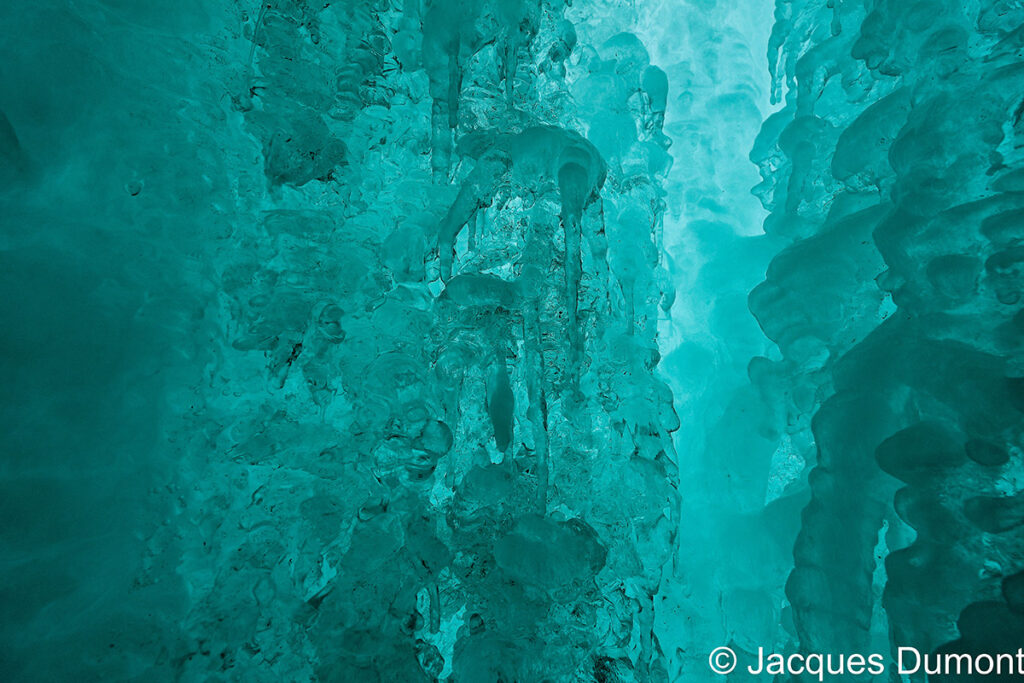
[507, 341]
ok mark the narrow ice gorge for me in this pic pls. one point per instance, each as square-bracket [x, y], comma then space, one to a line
[507, 340]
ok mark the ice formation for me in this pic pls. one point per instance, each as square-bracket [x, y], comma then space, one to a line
[507, 341]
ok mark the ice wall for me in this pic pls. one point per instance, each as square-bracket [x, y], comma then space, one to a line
[892, 175]
[357, 307]
[740, 520]
[434, 340]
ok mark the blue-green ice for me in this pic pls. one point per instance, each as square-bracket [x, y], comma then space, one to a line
[508, 341]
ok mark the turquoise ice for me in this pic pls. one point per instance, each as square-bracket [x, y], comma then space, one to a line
[514, 341]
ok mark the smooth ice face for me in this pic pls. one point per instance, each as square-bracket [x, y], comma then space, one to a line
[507, 340]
